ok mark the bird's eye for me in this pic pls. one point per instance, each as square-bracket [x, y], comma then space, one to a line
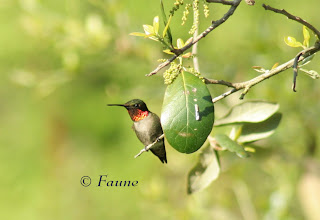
[136, 105]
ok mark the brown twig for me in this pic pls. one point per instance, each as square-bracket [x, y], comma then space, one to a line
[221, 82]
[303, 22]
[295, 18]
[214, 25]
[302, 55]
[224, 2]
[222, 96]
[146, 148]
[247, 85]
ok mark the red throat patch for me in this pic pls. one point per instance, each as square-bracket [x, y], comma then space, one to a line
[137, 114]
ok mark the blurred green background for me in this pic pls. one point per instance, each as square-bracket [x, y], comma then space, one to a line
[61, 62]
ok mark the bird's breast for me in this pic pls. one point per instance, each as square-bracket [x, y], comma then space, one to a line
[148, 129]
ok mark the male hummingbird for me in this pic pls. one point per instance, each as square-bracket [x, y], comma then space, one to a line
[147, 126]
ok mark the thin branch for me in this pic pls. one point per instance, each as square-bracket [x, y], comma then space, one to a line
[247, 85]
[162, 65]
[224, 2]
[295, 18]
[222, 96]
[303, 22]
[214, 25]
[220, 82]
[195, 51]
[302, 55]
[147, 148]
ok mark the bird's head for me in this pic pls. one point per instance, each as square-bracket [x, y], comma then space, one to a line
[137, 109]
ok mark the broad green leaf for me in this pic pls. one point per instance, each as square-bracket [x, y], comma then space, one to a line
[306, 36]
[138, 34]
[187, 113]
[225, 142]
[254, 111]
[292, 42]
[156, 25]
[148, 29]
[205, 171]
[180, 43]
[257, 131]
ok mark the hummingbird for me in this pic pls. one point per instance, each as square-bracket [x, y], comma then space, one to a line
[147, 126]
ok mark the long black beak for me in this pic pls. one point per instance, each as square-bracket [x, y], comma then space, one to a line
[116, 105]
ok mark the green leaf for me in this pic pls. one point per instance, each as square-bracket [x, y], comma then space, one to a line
[306, 60]
[250, 149]
[235, 132]
[259, 69]
[152, 37]
[148, 29]
[306, 36]
[312, 73]
[188, 41]
[205, 171]
[156, 25]
[138, 34]
[166, 31]
[187, 113]
[186, 55]
[275, 65]
[225, 142]
[180, 43]
[167, 51]
[292, 42]
[257, 131]
[254, 111]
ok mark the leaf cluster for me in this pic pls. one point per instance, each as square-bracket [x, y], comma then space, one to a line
[249, 122]
[292, 42]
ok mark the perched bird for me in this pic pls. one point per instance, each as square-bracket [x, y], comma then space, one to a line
[147, 126]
